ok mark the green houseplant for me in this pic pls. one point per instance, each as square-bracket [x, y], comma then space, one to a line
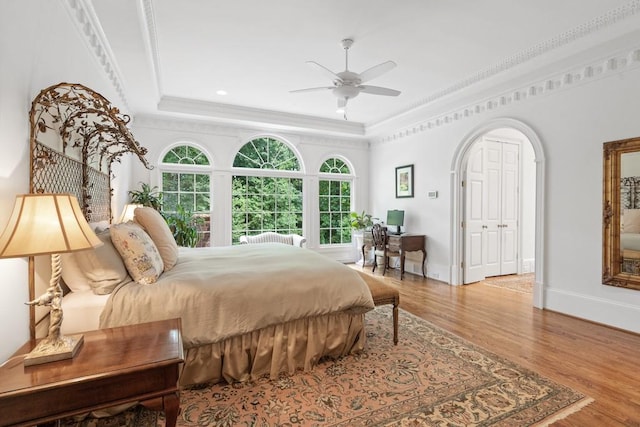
[147, 196]
[184, 226]
[361, 221]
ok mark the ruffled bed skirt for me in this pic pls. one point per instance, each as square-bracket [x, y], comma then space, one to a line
[287, 347]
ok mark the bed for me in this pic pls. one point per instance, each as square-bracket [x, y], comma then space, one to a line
[247, 310]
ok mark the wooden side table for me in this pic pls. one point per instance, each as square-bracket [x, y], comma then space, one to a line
[113, 366]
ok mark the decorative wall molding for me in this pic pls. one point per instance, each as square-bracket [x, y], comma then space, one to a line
[148, 22]
[267, 119]
[88, 25]
[610, 18]
[560, 81]
[208, 128]
[83, 15]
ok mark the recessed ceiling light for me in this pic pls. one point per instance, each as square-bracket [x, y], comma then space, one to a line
[221, 92]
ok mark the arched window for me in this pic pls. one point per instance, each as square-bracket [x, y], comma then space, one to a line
[334, 194]
[265, 196]
[186, 187]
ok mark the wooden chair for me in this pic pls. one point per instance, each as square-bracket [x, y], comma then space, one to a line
[381, 247]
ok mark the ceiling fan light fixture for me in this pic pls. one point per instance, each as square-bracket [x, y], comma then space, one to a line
[346, 91]
[348, 84]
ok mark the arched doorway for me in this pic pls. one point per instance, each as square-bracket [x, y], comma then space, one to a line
[458, 171]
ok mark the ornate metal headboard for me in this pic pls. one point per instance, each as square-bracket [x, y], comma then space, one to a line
[75, 136]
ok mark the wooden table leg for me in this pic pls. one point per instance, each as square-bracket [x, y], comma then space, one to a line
[424, 259]
[171, 403]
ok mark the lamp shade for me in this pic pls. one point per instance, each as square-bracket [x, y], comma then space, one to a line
[127, 212]
[42, 224]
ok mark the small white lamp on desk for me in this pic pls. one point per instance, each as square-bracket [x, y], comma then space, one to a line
[43, 224]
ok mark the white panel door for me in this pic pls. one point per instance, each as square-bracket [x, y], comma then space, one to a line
[475, 211]
[509, 211]
[493, 197]
[491, 210]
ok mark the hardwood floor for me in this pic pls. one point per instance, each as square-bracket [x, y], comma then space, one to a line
[601, 362]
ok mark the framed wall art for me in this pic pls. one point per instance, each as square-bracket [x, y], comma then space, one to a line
[404, 181]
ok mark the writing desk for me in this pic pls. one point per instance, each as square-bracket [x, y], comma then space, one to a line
[402, 243]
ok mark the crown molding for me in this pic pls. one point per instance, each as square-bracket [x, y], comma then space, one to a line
[189, 125]
[268, 119]
[148, 24]
[609, 19]
[88, 25]
[577, 76]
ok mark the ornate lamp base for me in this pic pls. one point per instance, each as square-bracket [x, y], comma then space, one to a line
[47, 351]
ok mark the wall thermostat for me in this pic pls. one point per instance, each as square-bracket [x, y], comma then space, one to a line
[432, 194]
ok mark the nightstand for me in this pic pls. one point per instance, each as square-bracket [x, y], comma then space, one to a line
[114, 366]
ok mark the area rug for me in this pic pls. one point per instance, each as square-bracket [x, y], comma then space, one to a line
[431, 378]
[514, 282]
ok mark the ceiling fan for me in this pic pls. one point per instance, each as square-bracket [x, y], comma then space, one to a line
[347, 84]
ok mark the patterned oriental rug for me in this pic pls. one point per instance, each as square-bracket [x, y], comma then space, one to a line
[431, 378]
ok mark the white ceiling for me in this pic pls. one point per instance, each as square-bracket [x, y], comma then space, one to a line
[173, 55]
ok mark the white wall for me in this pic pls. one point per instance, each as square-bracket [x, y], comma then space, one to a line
[572, 125]
[39, 47]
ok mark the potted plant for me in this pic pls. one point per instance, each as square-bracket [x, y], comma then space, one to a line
[359, 223]
[184, 226]
[147, 196]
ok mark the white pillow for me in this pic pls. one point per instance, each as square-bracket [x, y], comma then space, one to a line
[154, 224]
[72, 275]
[139, 253]
[98, 269]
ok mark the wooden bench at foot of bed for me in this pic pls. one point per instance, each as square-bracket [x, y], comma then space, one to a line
[384, 294]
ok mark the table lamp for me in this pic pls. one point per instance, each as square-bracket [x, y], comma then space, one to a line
[43, 224]
[128, 212]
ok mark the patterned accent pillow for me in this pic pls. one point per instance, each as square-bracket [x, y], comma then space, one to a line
[156, 226]
[139, 253]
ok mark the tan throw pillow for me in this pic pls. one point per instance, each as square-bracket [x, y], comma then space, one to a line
[139, 253]
[72, 275]
[102, 266]
[631, 221]
[100, 269]
[156, 226]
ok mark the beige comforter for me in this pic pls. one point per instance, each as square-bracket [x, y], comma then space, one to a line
[223, 292]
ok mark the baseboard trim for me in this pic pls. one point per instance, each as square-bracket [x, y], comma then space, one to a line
[602, 311]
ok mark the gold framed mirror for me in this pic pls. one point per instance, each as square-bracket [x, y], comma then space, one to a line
[621, 214]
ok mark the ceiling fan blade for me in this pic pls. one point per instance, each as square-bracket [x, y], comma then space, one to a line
[311, 89]
[377, 90]
[376, 70]
[324, 70]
